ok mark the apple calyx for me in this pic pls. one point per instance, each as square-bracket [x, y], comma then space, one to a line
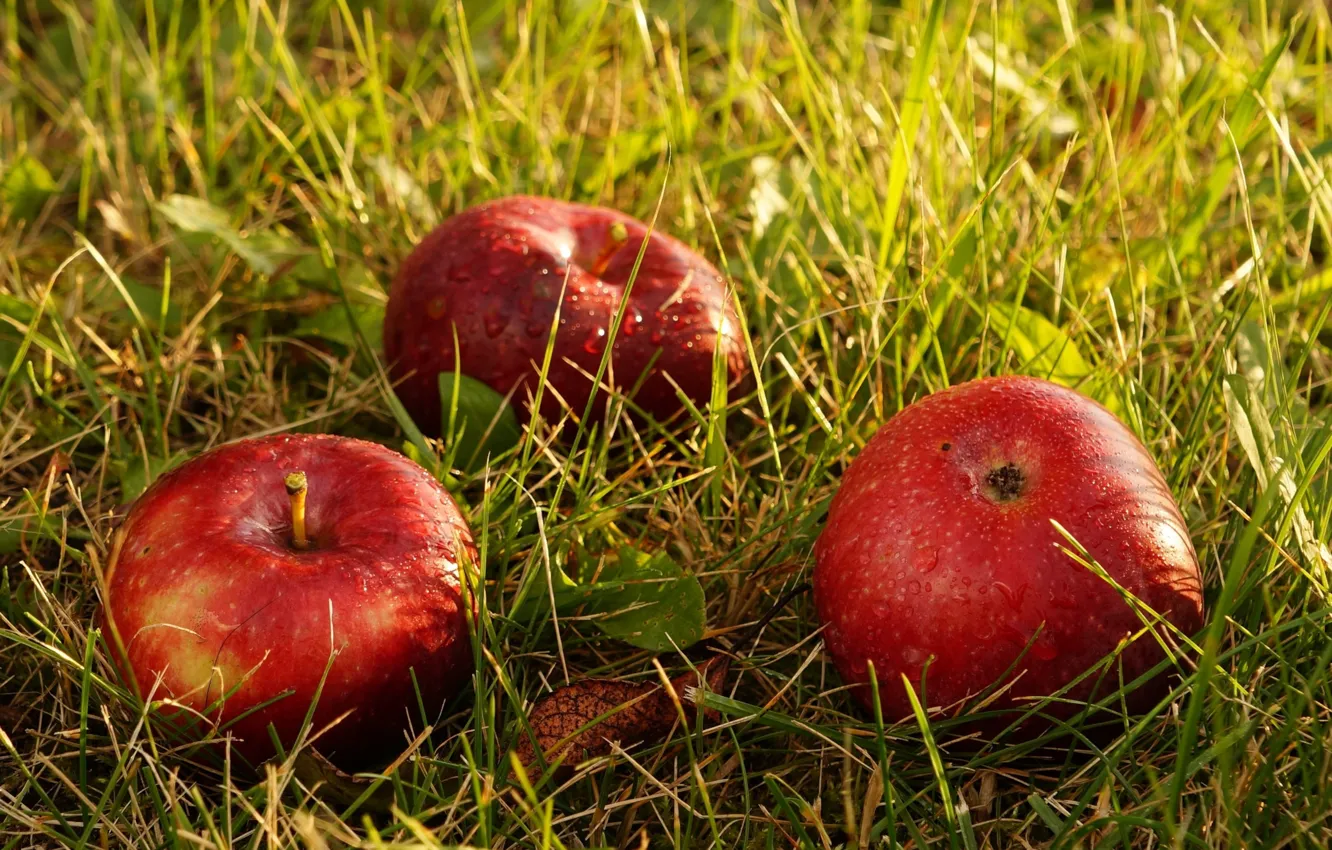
[619, 234]
[1005, 483]
[297, 486]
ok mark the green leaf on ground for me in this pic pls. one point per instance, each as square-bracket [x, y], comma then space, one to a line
[137, 472]
[264, 252]
[1048, 352]
[334, 325]
[641, 598]
[26, 186]
[16, 309]
[149, 301]
[14, 530]
[650, 602]
[477, 421]
[1257, 438]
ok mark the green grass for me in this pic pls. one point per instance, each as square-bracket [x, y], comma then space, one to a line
[1128, 200]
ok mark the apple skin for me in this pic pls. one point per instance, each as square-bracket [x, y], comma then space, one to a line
[208, 593]
[938, 545]
[493, 274]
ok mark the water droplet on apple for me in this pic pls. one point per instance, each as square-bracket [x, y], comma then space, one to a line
[630, 325]
[1044, 650]
[1064, 601]
[656, 336]
[535, 329]
[929, 561]
[1013, 597]
[435, 308]
[595, 343]
[460, 274]
[495, 324]
[914, 587]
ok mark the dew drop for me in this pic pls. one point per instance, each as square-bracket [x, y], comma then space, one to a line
[435, 308]
[495, 324]
[656, 336]
[596, 342]
[631, 323]
[1013, 597]
[1064, 601]
[1044, 650]
[929, 562]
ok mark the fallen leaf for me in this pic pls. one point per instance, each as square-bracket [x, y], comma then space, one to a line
[588, 718]
[262, 251]
[656, 605]
[481, 425]
[336, 785]
[26, 186]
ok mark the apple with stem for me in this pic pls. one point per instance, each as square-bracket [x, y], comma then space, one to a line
[940, 559]
[270, 571]
[485, 291]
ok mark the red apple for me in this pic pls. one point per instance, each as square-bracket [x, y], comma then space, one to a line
[939, 548]
[495, 275]
[222, 592]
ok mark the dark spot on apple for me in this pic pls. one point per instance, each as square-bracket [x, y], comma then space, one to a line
[146, 550]
[946, 447]
[1006, 482]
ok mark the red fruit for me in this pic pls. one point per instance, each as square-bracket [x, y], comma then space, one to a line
[494, 275]
[211, 593]
[939, 546]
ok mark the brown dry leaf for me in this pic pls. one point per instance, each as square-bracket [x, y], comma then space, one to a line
[584, 719]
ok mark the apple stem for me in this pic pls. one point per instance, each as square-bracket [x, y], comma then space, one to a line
[619, 234]
[296, 489]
